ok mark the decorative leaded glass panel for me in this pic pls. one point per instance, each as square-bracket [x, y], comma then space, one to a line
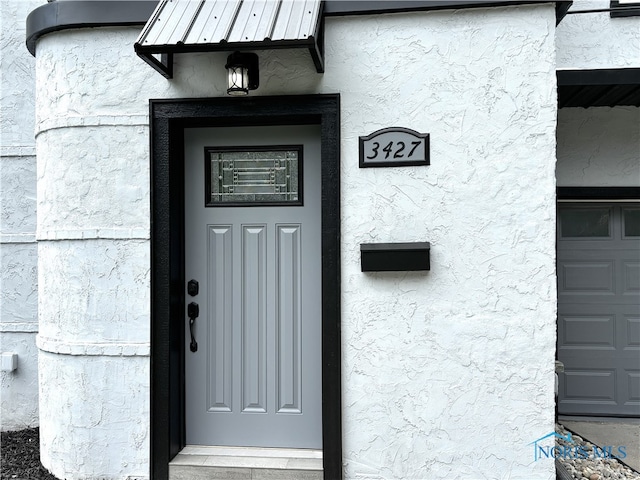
[254, 176]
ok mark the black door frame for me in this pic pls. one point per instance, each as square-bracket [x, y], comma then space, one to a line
[168, 119]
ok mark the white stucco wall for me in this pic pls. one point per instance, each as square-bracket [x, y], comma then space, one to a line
[595, 40]
[599, 147]
[438, 366]
[18, 250]
[445, 374]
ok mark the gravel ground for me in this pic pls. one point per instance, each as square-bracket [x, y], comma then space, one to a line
[20, 456]
[20, 459]
[594, 466]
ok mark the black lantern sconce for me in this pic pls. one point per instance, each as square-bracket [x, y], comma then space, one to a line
[243, 73]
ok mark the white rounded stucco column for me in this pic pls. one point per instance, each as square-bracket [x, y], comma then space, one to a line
[93, 258]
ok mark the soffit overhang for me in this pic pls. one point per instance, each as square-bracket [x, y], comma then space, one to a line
[612, 87]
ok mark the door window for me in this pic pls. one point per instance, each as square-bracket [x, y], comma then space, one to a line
[257, 176]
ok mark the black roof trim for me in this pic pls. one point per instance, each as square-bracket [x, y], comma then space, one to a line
[358, 7]
[618, 76]
[598, 193]
[65, 14]
[599, 88]
[561, 10]
[625, 9]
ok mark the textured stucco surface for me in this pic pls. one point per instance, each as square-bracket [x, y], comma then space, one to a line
[18, 193]
[19, 294]
[18, 250]
[445, 374]
[16, 76]
[595, 40]
[448, 374]
[105, 301]
[93, 178]
[107, 410]
[19, 389]
[599, 147]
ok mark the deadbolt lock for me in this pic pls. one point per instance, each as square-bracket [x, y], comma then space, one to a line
[193, 287]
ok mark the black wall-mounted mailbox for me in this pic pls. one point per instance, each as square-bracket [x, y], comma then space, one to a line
[394, 257]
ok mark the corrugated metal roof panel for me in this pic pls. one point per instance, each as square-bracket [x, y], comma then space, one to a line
[310, 17]
[290, 21]
[213, 23]
[257, 25]
[210, 22]
[171, 21]
[180, 26]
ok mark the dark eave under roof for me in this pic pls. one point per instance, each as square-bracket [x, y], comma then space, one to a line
[599, 88]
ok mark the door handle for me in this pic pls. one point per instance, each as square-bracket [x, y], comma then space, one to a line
[193, 310]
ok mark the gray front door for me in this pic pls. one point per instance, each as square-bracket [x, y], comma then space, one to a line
[252, 242]
[599, 308]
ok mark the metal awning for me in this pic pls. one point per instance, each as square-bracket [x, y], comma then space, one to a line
[184, 26]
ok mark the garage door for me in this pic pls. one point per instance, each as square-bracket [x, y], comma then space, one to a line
[599, 308]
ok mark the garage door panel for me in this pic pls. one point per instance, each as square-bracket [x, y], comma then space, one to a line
[632, 338]
[587, 332]
[597, 409]
[631, 278]
[587, 251]
[613, 282]
[593, 359]
[588, 278]
[590, 385]
[594, 328]
[600, 391]
[632, 384]
[599, 309]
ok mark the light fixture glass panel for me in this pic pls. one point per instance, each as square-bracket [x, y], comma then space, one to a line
[255, 177]
[238, 81]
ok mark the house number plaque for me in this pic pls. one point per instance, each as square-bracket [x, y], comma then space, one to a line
[394, 147]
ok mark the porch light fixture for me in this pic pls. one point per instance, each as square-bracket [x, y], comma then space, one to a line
[243, 74]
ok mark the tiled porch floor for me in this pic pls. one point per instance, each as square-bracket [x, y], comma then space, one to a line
[241, 463]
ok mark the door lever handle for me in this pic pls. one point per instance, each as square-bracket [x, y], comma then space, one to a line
[193, 310]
